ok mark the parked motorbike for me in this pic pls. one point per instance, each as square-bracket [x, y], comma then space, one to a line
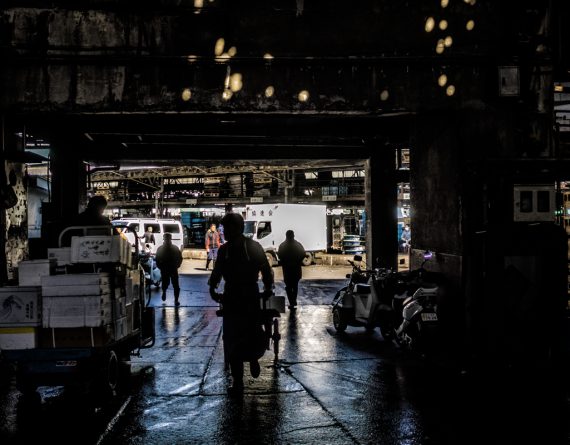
[419, 325]
[357, 303]
[152, 273]
[402, 304]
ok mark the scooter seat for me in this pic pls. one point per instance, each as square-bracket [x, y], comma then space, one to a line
[362, 289]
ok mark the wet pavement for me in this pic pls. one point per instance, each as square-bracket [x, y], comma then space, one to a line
[325, 388]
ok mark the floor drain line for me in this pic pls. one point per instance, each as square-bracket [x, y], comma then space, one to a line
[325, 409]
[114, 420]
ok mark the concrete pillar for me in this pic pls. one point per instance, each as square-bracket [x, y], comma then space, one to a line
[69, 188]
[381, 195]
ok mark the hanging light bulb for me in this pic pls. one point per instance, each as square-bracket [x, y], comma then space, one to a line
[227, 94]
[470, 25]
[186, 94]
[303, 96]
[448, 41]
[219, 46]
[269, 91]
[236, 82]
[440, 47]
[443, 25]
[450, 90]
[442, 80]
[384, 95]
[430, 24]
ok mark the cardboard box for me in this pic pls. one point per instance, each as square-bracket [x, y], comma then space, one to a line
[31, 272]
[62, 255]
[132, 290]
[20, 306]
[18, 338]
[76, 285]
[76, 337]
[121, 328]
[275, 302]
[75, 312]
[120, 308]
[98, 249]
[78, 279]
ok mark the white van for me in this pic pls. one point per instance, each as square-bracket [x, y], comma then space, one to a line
[159, 228]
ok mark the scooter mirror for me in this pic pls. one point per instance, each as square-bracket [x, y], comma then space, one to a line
[357, 258]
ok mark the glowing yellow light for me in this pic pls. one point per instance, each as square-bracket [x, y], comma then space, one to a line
[186, 94]
[443, 25]
[267, 56]
[450, 90]
[192, 58]
[384, 95]
[198, 3]
[559, 88]
[444, 3]
[470, 25]
[448, 41]
[430, 24]
[219, 47]
[223, 58]
[442, 80]
[303, 96]
[227, 94]
[440, 47]
[470, 2]
[232, 51]
[236, 82]
[269, 91]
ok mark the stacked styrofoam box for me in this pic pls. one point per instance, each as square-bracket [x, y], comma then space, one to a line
[62, 255]
[76, 300]
[99, 249]
[20, 317]
[31, 272]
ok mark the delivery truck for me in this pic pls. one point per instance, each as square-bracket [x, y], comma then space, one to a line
[267, 224]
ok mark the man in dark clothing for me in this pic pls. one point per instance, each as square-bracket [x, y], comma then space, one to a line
[93, 214]
[149, 236]
[240, 260]
[291, 254]
[168, 260]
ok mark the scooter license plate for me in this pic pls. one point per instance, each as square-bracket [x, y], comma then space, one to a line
[429, 316]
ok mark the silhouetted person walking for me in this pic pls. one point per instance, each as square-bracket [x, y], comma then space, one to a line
[168, 260]
[240, 260]
[291, 254]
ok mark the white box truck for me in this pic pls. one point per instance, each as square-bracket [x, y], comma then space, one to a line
[267, 224]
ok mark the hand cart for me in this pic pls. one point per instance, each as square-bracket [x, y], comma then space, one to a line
[102, 364]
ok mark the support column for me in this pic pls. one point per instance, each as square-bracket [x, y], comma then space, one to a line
[68, 190]
[381, 208]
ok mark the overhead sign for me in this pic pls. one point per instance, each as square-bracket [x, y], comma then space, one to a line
[329, 197]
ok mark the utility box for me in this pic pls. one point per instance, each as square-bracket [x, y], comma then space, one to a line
[534, 203]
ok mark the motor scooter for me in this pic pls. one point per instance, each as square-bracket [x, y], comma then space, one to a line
[419, 325]
[356, 304]
[152, 273]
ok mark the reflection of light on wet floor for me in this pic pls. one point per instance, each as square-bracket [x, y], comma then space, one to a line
[172, 318]
[186, 388]
[160, 425]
